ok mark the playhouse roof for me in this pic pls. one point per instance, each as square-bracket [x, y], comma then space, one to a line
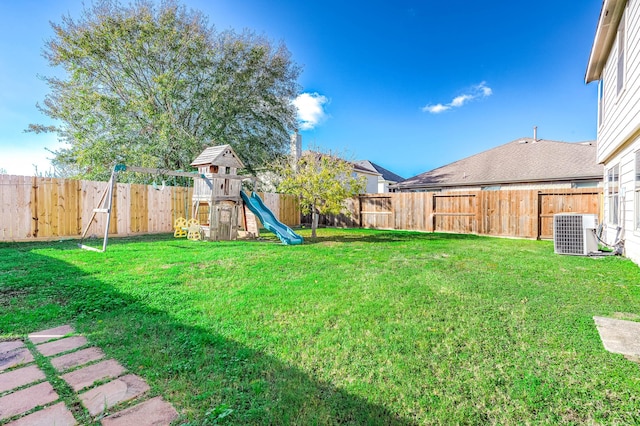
[220, 155]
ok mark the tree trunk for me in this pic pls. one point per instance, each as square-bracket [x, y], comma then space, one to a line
[314, 222]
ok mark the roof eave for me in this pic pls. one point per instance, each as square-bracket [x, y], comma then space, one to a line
[366, 172]
[500, 182]
[608, 22]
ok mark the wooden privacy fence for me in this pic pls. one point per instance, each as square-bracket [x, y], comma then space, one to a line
[507, 213]
[34, 208]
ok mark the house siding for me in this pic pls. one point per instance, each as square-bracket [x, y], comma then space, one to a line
[626, 161]
[383, 186]
[618, 134]
[371, 186]
[632, 242]
[621, 115]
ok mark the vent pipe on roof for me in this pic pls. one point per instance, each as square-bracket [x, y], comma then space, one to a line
[535, 133]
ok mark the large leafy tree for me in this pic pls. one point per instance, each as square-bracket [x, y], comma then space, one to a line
[154, 84]
[321, 181]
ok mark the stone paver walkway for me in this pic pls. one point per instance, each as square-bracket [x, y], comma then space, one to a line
[24, 386]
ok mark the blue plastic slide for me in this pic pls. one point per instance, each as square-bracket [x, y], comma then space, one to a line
[257, 207]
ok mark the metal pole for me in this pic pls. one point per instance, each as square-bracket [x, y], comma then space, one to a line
[114, 174]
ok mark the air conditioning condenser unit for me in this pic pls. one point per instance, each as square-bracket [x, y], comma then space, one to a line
[575, 233]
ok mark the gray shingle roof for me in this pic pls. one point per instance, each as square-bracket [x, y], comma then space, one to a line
[358, 166]
[386, 174]
[521, 160]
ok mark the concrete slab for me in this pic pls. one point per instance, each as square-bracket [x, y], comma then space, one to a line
[58, 415]
[26, 399]
[86, 376]
[155, 411]
[62, 345]
[619, 336]
[50, 334]
[105, 396]
[76, 359]
[20, 377]
[10, 358]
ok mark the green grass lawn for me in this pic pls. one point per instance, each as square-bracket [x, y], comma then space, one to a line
[356, 327]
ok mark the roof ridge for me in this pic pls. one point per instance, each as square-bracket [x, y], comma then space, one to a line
[513, 161]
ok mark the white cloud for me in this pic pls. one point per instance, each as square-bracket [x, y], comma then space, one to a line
[458, 101]
[310, 108]
[486, 90]
[475, 92]
[435, 109]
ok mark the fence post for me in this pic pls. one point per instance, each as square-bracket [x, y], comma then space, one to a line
[434, 207]
[538, 221]
[34, 207]
[479, 209]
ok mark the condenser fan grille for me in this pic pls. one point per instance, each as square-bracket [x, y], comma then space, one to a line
[574, 234]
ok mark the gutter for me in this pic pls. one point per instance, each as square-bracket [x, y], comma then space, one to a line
[501, 182]
[608, 22]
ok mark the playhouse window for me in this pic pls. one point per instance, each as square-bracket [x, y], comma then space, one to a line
[213, 169]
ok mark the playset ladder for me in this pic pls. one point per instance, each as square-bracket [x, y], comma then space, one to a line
[250, 222]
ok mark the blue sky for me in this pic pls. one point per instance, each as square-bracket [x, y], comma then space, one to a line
[410, 85]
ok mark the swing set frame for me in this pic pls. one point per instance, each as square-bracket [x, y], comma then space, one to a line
[106, 201]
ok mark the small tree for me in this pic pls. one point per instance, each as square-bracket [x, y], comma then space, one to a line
[321, 181]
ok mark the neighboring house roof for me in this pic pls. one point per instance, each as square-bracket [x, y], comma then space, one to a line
[357, 167]
[220, 155]
[386, 174]
[610, 16]
[520, 161]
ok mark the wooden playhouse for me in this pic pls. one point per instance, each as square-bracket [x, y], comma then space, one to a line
[216, 200]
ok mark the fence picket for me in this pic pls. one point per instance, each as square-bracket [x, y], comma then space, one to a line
[33, 208]
[508, 213]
